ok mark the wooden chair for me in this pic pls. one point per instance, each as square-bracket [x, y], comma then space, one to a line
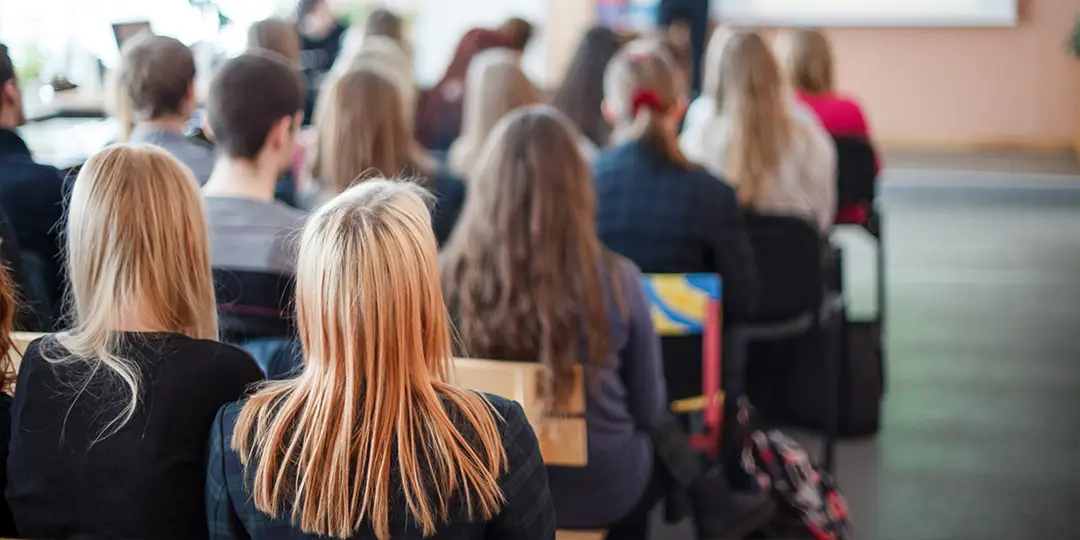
[21, 340]
[687, 305]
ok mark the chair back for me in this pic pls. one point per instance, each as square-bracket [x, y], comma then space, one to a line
[253, 305]
[856, 171]
[788, 252]
[562, 438]
[21, 340]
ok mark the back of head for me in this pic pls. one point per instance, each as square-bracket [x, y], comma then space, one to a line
[582, 90]
[9, 91]
[386, 23]
[385, 53]
[242, 117]
[521, 269]
[641, 88]
[361, 130]
[371, 399]
[495, 85]
[277, 35]
[806, 59]
[760, 126]
[158, 74]
[517, 32]
[136, 249]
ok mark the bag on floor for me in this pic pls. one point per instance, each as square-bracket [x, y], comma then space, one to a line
[808, 503]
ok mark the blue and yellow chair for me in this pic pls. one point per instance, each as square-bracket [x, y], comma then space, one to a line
[692, 305]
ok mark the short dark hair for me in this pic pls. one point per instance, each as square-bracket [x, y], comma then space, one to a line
[249, 94]
[7, 69]
[157, 73]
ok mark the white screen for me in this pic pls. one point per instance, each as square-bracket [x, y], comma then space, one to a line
[867, 12]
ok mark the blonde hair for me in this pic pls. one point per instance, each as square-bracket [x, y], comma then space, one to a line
[494, 86]
[714, 53]
[276, 35]
[374, 394]
[136, 244]
[361, 131]
[383, 52]
[644, 68]
[761, 127]
[806, 58]
[118, 105]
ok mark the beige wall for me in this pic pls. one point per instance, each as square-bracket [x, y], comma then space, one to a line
[999, 87]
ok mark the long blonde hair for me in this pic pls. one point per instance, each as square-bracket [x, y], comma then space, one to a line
[806, 58]
[494, 86]
[374, 394]
[761, 126]
[641, 85]
[136, 244]
[714, 53]
[361, 131]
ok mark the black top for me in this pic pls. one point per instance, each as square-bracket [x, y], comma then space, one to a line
[528, 513]
[7, 525]
[147, 479]
[317, 55]
[449, 193]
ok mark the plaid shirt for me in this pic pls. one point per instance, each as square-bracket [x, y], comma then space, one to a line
[527, 514]
[670, 219]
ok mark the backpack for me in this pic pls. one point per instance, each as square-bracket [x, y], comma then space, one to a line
[808, 503]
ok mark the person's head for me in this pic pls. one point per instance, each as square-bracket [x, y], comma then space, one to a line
[361, 131]
[517, 32]
[371, 398]
[806, 59]
[277, 35]
[11, 106]
[644, 98]
[384, 53]
[137, 260]
[754, 100]
[522, 269]
[256, 126]
[386, 23]
[158, 74]
[582, 90]
[495, 85]
[8, 307]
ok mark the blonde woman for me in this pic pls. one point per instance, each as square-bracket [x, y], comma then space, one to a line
[110, 423]
[370, 440]
[494, 86]
[776, 164]
[361, 131]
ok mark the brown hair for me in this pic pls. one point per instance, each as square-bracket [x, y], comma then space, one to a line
[7, 319]
[158, 73]
[761, 128]
[581, 93]
[641, 86]
[367, 426]
[241, 118]
[806, 58]
[523, 268]
[361, 131]
[276, 35]
[383, 22]
[495, 85]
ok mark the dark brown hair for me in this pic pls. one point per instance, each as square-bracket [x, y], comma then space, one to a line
[248, 96]
[157, 73]
[383, 22]
[523, 269]
[581, 93]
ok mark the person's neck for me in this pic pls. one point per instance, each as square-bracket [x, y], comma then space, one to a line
[241, 179]
[172, 123]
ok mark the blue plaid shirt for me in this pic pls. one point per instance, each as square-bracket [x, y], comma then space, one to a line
[528, 513]
[670, 219]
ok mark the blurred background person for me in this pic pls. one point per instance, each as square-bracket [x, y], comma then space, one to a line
[581, 93]
[321, 31]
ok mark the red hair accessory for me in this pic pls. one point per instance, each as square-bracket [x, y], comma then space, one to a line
[645, 98]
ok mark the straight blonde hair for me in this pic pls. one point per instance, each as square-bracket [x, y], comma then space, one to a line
[361, 131]
[641, 72]
[374, 394]
[806, 59]
[494, 86]
[754, 99]
[136, 244]
[714, 53]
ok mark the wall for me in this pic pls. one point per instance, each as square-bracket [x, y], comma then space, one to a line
[942, 88]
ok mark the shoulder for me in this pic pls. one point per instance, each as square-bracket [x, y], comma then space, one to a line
[224, 360]
[614, 157]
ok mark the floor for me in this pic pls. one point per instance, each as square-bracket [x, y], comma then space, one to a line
[981, 433]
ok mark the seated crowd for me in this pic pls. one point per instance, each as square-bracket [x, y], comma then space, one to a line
[235, 363]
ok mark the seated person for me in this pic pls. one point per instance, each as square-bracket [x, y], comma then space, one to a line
[370, 441]
[582, 89]
[32, 196]
[251, 250]
[361, 130]
[776, 164]
[110, 423]
[158, 75]
[527, 279]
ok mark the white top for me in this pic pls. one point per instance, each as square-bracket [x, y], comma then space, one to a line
[805, 183]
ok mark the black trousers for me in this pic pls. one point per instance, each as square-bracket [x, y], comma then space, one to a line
[635, 525]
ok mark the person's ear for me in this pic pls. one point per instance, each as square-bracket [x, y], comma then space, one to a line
[10, 93]
[678, 111]
[609, 112]
[208, 131]
[282, 135]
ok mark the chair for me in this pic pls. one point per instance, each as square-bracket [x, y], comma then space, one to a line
[793, 264]
[688, 305]
[21, 341]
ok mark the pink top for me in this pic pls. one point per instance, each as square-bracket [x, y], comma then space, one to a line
[840, 116]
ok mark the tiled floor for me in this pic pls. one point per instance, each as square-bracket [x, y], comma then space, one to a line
[981, 435]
